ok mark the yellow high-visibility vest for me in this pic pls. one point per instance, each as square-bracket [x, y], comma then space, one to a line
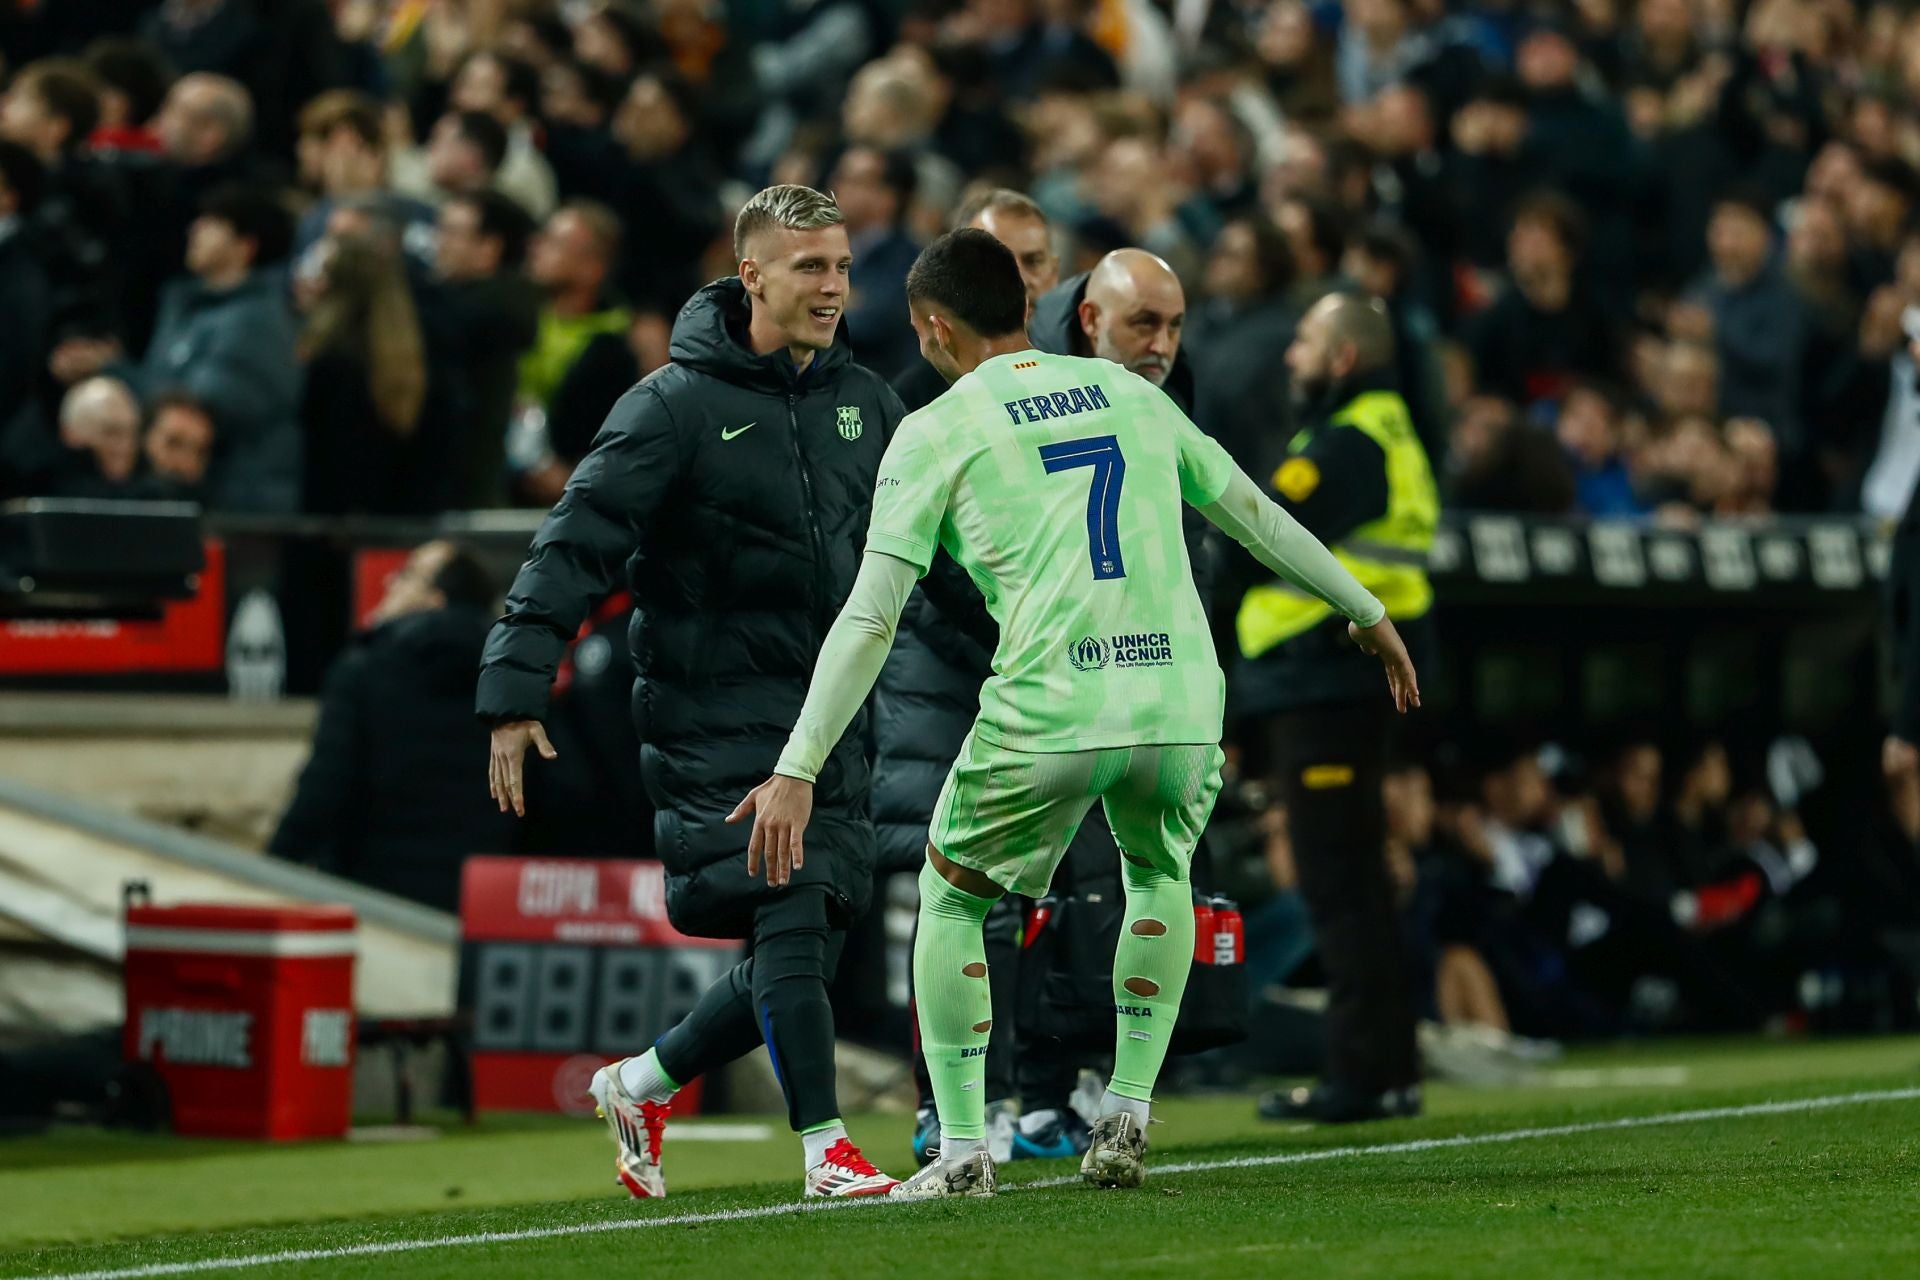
[1388, 555]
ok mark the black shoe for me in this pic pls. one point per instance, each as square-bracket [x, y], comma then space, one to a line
[1338, 1104]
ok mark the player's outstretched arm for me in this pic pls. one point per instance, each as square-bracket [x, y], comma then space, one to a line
[576, 556]
[1277, 541]
[850, 660]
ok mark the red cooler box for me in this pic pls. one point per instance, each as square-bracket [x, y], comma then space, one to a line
[247, 1014]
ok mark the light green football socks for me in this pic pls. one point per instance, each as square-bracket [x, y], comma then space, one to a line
[1150, 969]
[956, 1008]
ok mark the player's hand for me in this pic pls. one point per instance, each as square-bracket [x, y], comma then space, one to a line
[1384, 643]
[505, 782]
[780, 807]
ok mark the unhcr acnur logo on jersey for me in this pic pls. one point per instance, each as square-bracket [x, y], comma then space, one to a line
[1140, 649]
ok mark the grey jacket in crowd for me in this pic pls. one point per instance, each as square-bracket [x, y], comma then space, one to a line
[235, 350]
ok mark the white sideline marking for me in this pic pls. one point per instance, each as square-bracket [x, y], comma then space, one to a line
[381, 1133]
[1616, 1078]
[719, 1132]
[1510, 1135]
[380, 1248]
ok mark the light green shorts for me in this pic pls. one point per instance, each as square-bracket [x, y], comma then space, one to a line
[1011, 814]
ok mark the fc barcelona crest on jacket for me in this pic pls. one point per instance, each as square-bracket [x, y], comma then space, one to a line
[850, 426]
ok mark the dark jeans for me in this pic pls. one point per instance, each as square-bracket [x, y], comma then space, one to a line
[777, 995]
[1329, 764]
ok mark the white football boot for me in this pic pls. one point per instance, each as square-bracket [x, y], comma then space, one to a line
[637, 1128]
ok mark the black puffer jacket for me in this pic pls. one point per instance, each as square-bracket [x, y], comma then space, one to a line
[923, 705]
[927, 694]
[736, 493]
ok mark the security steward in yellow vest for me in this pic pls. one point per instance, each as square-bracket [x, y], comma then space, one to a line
[1357, 477]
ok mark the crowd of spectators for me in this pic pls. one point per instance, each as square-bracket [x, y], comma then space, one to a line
[1645, 257]
[1652, 259]
[1645, 884]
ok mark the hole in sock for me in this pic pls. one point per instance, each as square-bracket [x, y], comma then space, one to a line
[977, 969]
[983, 1027]
[1149, 929]
[1141, 987]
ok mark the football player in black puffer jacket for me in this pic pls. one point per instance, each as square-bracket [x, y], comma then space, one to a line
[733, 485]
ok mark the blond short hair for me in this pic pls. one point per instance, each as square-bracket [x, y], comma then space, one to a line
[789, 207]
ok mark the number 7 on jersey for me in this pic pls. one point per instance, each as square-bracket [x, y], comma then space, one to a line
[1102, 453]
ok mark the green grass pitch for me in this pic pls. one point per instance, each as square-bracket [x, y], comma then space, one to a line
[1695, 1160]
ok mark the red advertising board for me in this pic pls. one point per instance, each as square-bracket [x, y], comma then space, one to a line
[189, 636]
[569, 964]
[373, 569]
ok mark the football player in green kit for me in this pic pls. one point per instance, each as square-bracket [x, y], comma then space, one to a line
[1056, 481]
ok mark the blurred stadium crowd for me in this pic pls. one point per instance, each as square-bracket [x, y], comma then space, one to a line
[1645, 258]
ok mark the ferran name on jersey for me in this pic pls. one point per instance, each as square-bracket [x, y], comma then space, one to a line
[1057, 404]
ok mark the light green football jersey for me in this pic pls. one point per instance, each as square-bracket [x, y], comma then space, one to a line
[1057, 482]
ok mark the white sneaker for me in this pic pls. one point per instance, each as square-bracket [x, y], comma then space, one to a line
[845, 1172]
[1118, 1155]
[637, 1129]
[972, 1176]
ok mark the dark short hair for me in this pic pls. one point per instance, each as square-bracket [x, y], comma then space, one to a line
[1387, 242]
[902, 177]
[135, 68]
[1569, 225]
[486, 133]
[604, 90]
[974, 276]
[1096, 235]
[1749, 198]
[69, 91]
[897, 174]
[1325, 226]
[23, 175]
[963, 62]
[1894, 173]
[178, 398]
[551, 30]
[255, 214]
[502, 217]
[679, 90]
[643, 43]
[463, 580]
[1272, 255]
[522, 80]
[1500, 90]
